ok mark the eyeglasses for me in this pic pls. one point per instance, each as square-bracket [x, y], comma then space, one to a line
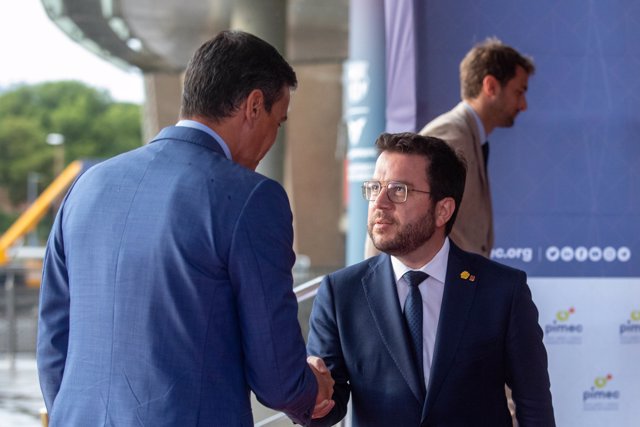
[397, 192]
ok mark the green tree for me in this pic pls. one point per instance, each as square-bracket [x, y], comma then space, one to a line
[93, 125]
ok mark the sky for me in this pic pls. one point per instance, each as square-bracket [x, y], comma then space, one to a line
[33, 50]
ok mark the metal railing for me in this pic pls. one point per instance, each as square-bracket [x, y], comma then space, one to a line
[307, 290]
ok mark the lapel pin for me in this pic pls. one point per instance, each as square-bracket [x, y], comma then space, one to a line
[465, 275]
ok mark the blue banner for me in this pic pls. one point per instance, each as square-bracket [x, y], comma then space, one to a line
[565, 179]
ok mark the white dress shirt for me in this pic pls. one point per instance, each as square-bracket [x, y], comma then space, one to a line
[197, 125]
[431, 291]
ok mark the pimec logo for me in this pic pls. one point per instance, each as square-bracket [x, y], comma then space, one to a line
[600, 382]
[630, 330]
[561, 330]
[601, 396]
[563, 315]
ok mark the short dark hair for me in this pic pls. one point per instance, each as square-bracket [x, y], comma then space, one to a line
[494, 58]
[224, 71]
[446, 170]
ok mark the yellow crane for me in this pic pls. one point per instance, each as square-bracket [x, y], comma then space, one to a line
[30, 218]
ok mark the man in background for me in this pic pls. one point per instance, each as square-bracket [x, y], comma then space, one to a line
[167, 289]
[494, 79]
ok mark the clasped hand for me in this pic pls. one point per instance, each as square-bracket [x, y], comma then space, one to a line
[324, 401]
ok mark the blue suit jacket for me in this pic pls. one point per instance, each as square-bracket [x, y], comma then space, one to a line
[167, 293]
[488, 335]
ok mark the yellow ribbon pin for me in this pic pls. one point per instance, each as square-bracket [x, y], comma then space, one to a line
[465, 275]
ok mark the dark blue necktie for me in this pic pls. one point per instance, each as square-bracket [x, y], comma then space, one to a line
[413, 317]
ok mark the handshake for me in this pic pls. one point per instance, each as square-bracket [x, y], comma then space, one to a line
[324, 401]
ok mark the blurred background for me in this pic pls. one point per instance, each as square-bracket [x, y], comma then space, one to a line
[83, 80]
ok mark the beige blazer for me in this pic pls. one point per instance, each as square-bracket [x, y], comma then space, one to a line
[473, 229]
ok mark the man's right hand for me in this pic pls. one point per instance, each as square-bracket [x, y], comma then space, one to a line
[324, 403]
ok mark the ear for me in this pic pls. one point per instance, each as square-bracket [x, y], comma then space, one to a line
[490, 86]
[444, 210]
[254, 105]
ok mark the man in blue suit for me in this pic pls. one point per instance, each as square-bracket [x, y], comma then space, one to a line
[167, 289]
[434, 347]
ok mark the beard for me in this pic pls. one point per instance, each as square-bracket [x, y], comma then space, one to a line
[502, 114]
[508, 120]
[407, 238]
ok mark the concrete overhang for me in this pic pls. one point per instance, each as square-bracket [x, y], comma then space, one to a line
[161, 35]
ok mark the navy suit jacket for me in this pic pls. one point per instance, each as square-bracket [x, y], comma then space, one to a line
[167, 293]
[488, 335]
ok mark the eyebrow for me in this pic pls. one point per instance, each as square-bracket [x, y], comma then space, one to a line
[396, 181]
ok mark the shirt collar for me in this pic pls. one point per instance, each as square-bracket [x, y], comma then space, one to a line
[483, 133]
[197, 125]
[436, 268]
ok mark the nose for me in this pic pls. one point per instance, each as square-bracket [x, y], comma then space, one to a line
[382, 201]
[523, 103]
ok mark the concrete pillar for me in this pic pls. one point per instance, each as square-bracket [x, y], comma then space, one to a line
[267, 20]
[314, 169]
[163, 93]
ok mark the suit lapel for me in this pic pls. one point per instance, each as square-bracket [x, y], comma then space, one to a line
[382, 297]
[459, 290]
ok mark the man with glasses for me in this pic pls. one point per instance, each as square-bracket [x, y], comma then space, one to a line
[426, 334]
